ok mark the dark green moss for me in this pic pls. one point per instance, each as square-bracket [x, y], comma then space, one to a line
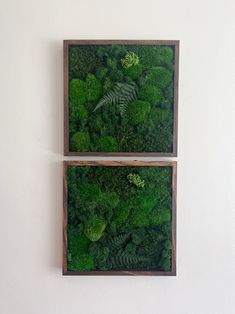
[80, 142]
[107, 144]
[134, 71]
[138, 111]
[152, 94]
[93, 88]
[159, 76]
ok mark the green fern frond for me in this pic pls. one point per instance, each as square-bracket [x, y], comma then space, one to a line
[127, 260]
[118, 241]
[121, 95]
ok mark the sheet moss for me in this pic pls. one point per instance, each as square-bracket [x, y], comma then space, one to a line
[94, 71]
[119, 218]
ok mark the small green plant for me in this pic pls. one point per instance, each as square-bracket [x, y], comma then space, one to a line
[80, 142]
[130, 59]
[136, 180]
[121, 95]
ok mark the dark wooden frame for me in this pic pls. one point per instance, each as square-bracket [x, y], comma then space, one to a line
[121, 163]
[68, 43]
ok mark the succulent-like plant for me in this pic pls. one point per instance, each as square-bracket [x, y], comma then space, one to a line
[136, 180]
[130, 59]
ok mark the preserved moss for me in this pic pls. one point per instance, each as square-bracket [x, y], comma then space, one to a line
[80, 141]
[119, 126]
[138, 111]
[114, 224]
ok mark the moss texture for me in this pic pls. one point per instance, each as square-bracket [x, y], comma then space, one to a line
[119, 218]
[120, 126]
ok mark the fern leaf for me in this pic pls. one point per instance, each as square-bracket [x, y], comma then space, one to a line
[126, 260]
[118, 241]
[121, 94]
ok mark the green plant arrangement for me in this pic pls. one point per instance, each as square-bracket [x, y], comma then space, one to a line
[119, 218]
[115, 94]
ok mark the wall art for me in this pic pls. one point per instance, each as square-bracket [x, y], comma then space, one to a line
[119, 218]
[120, 97]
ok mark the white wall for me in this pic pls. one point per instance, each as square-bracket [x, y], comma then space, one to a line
[31, 34]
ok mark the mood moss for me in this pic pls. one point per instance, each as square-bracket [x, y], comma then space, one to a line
[119, 218]
[132, 81]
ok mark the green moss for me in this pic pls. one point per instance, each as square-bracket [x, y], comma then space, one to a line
[93, 88]
[78, 114]
[160, 217]
[138, 111]
[152, 94]
[80, 142]
[166, 55]
[160, 77]
[107, 144]
[112, 63]
[85, 59]
[101, 73]
[108, 85]
[84, 262]
[94, 228]
[77, 92]
[73, 63]
[78, 244]
[134, 71]
[116, 76]
[89, 192]
[143, 206]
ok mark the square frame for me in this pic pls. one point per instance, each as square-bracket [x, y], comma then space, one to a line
[68, 43]
[136, 272]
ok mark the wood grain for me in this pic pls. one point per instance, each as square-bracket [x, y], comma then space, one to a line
[134, 272]
[74, 42]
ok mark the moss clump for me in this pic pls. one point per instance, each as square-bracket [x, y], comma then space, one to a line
[159, 76]
[89, 192]
[77, 92]
[78, 244]
[107, 144]
[80, 142]
[152, 94]
[94, 228]
[93, 88]
[83, 60]
[134, 71]
[101, 73]
[116, 76]
[138, 111]
[83, 262]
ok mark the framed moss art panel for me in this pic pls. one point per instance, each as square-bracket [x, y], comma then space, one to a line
[119, 218]
[120, 97]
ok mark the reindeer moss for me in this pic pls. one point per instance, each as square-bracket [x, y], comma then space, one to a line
[114, 224]
[93, 73]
